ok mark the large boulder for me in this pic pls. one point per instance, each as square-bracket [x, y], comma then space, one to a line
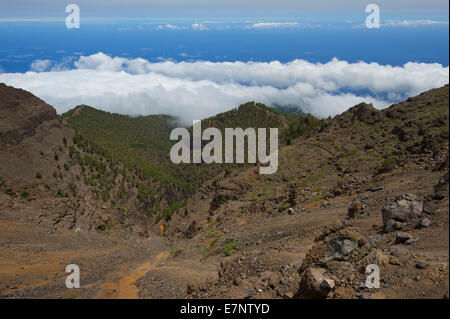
[335, 243]
[337, 249]
[404, 208]
[314, 284]
[341, 245]
[336, 264]
[402, 238]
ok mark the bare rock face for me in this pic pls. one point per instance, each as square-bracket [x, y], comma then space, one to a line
[404, 208]
[21, 113]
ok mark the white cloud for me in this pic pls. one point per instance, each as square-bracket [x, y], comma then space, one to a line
[193, 90]
[406, 23]
[168, 27]
[194, 26]
[413, 23]
[198, 26]
[269, 25]
[40, 65]
[49, 65]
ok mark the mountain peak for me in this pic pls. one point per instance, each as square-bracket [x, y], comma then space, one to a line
[21, 114]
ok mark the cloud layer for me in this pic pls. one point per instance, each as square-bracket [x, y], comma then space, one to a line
[270, 25]
[413, 23]
[193, 90]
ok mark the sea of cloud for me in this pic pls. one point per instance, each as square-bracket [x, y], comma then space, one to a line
[195, 90]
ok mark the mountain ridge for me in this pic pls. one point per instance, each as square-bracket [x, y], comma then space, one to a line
[79, 183]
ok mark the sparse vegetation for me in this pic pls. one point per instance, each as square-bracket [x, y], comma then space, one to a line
[388, 164]
[25, 193]
[121, 208]
[168, 212]
[175, 252]
[73, 188]
[229, 248]
[243, 219]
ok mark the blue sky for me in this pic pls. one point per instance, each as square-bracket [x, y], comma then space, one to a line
[323, 9]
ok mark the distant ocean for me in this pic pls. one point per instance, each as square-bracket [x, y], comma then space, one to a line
[21, 43]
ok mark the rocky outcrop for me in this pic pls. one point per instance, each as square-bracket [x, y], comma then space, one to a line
[402, 209]
[362, 112]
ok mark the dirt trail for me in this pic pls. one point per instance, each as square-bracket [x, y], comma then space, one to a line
[125, 288]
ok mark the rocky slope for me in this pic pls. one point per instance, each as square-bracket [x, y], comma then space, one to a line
[352, 175]
[49, 178]
[367, 187]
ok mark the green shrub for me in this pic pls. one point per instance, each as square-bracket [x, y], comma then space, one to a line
[109, 225]
[212, 223]
[168, 211]
[38, 175]
[213, 233]
[388, 164]
[229, 248]
[175, 252]
[25, 193]
[121, 208]
[73, 188]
